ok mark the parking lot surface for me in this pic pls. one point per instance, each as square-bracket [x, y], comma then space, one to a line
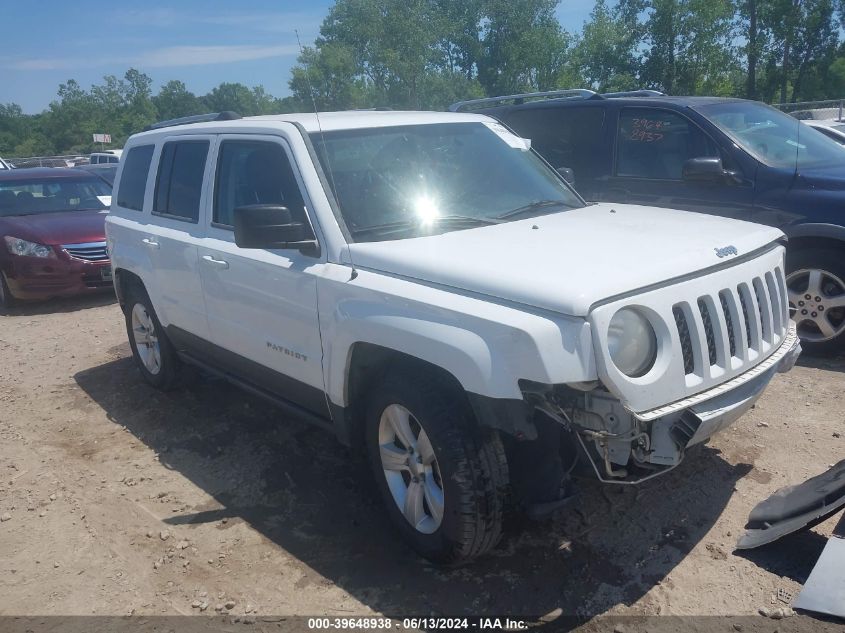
[117, 499]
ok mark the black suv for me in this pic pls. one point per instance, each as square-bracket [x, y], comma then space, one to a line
[729, 157]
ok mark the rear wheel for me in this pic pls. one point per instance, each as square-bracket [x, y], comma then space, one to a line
[442, 478]
[151, 349]
[816, 288]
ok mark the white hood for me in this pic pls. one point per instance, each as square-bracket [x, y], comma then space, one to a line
[571, 260]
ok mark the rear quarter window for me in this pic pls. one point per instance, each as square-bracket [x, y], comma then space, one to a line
[133, 181]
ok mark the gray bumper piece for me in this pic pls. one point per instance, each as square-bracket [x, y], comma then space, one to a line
[824, 591]
[795, 508]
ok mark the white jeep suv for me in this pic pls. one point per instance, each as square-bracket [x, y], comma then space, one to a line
[427, 287]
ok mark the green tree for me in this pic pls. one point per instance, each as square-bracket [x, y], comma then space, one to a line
[238, 98]
[606, 54]
[69, 122]
[175, 100]
[523, 46]
[422, 53]
[329, 78]
[691, 47]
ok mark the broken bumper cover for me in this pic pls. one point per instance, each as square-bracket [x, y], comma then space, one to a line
[705, 414]
[629, 445]
[781, 360]
[794, 508]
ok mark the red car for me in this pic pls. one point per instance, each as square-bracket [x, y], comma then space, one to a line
[52, 235]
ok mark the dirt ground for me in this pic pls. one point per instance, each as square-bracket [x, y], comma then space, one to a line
[123, 500]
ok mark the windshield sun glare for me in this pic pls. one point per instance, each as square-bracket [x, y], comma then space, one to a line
[407, 181]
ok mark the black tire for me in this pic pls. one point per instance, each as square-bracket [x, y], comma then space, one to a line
[832, 263]
[7, 299]
[169, 366]
[471, 463]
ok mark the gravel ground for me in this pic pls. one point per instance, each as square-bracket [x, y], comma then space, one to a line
[118, 500]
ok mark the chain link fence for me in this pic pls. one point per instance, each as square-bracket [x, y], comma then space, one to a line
[70, 160]
[818, 110]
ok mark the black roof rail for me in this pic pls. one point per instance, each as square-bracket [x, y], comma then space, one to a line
[226, 115]
[633, 93]
[576, 93]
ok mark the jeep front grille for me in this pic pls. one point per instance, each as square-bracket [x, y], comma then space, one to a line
[733, 327]
[686, 340]
[711, 328]
[89, 252]
[728, 321]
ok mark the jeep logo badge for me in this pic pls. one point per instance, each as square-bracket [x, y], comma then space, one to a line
[725, 251]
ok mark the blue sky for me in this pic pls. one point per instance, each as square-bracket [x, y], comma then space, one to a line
[47, 42]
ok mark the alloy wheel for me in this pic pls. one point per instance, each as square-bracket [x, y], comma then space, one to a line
[411, 469]
[816, 304]
[146, 339]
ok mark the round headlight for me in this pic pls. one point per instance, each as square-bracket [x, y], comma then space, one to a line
[631, 342]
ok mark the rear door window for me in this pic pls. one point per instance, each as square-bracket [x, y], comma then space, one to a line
[179, 182]
[565, 137]
[654, 144]
[133, 181]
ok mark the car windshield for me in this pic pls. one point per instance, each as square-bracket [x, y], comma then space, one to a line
[407, 181]
[774, 138]
[30, 196]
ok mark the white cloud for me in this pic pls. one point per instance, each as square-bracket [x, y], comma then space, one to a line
[160, 58]
[160, 17]
[204, 55]
[273, 22]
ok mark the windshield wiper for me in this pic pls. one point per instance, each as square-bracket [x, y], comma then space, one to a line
[467, 219]
[406, 225]
[531, 208]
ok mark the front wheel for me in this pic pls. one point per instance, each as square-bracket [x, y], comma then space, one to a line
[442, 478]
[7, 299]
[816, 288]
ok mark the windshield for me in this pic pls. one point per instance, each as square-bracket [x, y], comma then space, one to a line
[407, 181]
[774, 138]
[48, 195]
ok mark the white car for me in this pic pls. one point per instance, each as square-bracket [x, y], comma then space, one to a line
[105, 157]
[832, 128]
[427, 287]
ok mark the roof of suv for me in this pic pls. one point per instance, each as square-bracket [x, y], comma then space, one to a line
[682, 101]
[44, 173]
[328, 121]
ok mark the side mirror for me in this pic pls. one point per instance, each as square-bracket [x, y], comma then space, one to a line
[706, 168]
[567, 173]
[270, 226]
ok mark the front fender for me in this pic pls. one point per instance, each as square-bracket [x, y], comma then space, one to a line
[488, 346]
[464, 354]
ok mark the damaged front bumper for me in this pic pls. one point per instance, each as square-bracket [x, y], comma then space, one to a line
[629, 447]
